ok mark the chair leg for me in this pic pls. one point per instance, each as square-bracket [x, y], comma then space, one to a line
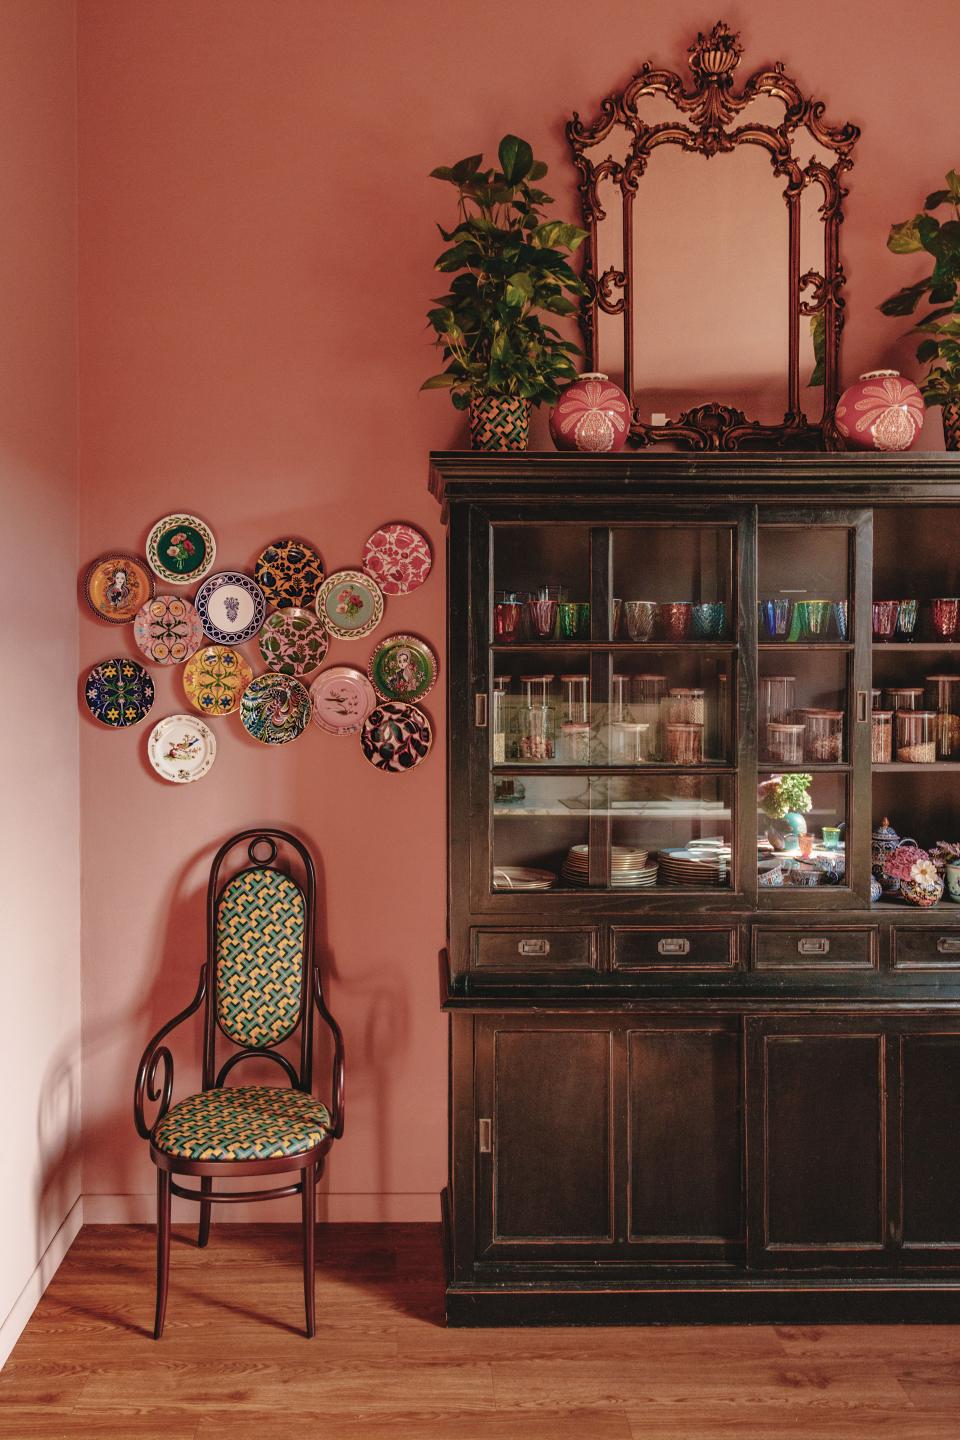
[309, 1178]
[203, 1235]
[163, 1248]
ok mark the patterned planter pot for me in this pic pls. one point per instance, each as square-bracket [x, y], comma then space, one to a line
[592, 415]
[883, 411]
[499, 422]
[951, 425]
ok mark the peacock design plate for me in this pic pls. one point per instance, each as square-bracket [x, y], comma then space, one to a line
[167, 629]
[215, 678]
[275, 709]
[119, 692]
[231, 607]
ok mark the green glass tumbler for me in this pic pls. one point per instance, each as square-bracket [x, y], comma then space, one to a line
[574, 619]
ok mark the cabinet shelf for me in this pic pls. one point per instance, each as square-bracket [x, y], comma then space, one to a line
[646, 647]
[601, 772]
[907, 766]
[786, 646]
[903, 647]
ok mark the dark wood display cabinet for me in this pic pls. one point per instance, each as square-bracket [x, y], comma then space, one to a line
[697, 1074]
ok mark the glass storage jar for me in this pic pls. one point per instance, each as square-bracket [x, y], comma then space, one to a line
[686, 706]
[916, 736]
[943, 694]
[575, 706]
[649, 693]
[500, 720]
[629, 743]
[574, 747]
[536, 720]
[903, 697]
[684, 744]
[823, 741]
[881, 737]
[876, 699]
[785, 742]
[619, 707]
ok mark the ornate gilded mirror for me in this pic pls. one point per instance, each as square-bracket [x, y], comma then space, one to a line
[715, 286]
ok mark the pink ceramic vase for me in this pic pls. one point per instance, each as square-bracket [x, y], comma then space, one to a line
[883, 411]
[592, 414]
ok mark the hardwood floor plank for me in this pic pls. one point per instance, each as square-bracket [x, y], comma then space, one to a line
[234, 1365]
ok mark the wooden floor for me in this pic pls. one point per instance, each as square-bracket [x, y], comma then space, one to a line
[233, 1364]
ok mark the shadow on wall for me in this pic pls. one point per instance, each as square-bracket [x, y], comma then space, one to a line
[371, 1050]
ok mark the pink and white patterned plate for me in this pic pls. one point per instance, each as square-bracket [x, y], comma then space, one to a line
[168, 630]
[398, 557]
[342, 699]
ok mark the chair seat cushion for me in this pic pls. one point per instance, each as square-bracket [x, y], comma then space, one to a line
[252, 1122]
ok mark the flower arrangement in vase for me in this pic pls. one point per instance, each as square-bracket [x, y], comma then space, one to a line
[918, 877]
[940, 347]
[785, 799]
[510, 266]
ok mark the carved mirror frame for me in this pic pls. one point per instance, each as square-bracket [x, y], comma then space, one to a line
[713, 106]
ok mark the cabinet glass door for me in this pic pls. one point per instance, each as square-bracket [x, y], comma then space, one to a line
[612, 724]
[812, 704]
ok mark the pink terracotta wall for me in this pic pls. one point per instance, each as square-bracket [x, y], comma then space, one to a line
[39, 838]
[256, 246]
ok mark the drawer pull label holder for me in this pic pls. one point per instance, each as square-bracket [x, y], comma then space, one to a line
[534, 947]
[813, 945]
[671, 945]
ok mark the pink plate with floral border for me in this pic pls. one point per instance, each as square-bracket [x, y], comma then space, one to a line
[398, 557]
[342, 699]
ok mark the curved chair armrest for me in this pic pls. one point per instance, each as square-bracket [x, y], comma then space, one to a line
[155, 1056]
[336, 1094]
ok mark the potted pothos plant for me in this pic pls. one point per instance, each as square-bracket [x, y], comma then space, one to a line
[510, 272]
[939, 237]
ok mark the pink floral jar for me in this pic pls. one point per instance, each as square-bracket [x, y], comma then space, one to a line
[883, 411]
[591, 415]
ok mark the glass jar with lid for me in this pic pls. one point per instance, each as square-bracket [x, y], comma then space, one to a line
[575, 704]
[823, 741]
[649, 696]
[536, 720]
[618, 709]
[629, 742]
[916, 736]
[574, 746]
[881, 737]
[785, 741]
[903, 697]
[686, 705]
[500, 721]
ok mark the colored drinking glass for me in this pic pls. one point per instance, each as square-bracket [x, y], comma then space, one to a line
[573, 617]
[640, 617]
[945, 614]
[885, 618]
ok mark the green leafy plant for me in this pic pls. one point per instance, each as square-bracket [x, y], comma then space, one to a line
[941, 288]
[509, 265]
[785, 793]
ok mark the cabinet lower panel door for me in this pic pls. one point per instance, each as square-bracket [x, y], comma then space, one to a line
[817, 1145]
[930, 1176]
[685, 1142]
[545, 1186]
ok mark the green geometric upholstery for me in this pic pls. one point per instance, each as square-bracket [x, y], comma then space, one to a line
[260, 925]
[243, 1122]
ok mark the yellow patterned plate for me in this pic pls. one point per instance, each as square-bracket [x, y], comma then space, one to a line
[116, 586]
[215, 678]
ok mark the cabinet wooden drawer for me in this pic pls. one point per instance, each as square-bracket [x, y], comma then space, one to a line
[777, 948]
[543, 949]
[673, 948]
[926, 949]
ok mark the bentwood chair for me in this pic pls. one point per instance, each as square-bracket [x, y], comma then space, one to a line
[260, 983]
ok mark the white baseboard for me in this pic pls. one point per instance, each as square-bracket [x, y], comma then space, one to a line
[334, 1208]
[29, 1298]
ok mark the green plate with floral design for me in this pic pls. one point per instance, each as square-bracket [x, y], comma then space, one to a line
[181, 549]
[293, 641]
[403, 667]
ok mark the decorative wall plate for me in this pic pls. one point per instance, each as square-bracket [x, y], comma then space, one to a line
[215, 678]
[289, 572]
[293, 641]
[350, 604]
[167, 629]
[275, 709]
[231, 607]
[181, 748]
[402, 667]
[119, 692]
[181, 549]
[398, 557]
[396, 737]
[116, 586]
[342, 699]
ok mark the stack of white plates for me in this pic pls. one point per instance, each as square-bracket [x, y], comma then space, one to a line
[697, 865]
[522, 877]
[628, 867]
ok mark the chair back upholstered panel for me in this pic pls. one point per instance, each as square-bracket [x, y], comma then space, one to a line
[260, 927]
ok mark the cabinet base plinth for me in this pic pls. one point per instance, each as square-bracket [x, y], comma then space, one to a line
[760, 1302]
